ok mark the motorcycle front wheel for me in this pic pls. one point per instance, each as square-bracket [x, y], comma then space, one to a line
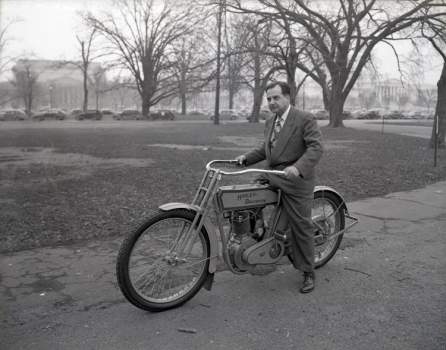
[159, 266]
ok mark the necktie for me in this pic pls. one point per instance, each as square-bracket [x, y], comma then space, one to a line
[276, 131]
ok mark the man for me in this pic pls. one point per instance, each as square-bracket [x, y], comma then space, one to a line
[292, 144]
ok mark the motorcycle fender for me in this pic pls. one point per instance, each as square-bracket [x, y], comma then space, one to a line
[208, 225]
[336, 193]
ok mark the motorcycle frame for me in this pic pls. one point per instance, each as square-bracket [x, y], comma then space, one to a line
[205, 198]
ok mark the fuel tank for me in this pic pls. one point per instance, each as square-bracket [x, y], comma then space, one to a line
[246, 196]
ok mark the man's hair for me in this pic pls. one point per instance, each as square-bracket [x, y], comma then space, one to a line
[284, 87]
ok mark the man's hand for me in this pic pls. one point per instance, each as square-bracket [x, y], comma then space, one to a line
[291, 172]
[241, 160]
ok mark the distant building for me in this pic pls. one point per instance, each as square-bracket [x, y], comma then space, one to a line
[60, 83]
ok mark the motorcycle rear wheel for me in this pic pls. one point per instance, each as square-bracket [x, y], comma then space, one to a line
[328, 218]
[152, 274]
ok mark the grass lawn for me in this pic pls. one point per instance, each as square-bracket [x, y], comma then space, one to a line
[66, 184]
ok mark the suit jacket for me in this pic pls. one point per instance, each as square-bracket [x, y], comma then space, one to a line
[299, 144]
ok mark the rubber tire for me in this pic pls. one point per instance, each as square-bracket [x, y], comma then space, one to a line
[122, 263]
[337, 202]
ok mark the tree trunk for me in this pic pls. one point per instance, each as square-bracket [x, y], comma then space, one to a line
[231, 96]
[258, 97]
[145, 109]
[183, 103]
[85, 83]
[336, 108]
[440, 111]
[325, 100]
[145, 104]
[258, 92]
[28, 102]
[336, 105]
[183, 94]
[146, 97]
[293, 88]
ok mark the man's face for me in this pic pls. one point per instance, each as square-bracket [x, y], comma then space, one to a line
[277, 102]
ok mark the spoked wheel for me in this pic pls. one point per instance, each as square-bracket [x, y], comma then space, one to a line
[158, 266]
[328, 218]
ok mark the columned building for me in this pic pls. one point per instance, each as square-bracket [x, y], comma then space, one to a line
[59, 84]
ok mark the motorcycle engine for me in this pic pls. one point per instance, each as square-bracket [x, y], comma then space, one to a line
[243, 236]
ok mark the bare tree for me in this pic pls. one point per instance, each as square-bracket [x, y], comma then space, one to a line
[260, 67]
[4, 38]
[122, 90]
[84, 65]
[191, 66]
[290, 53]
[434, 30]
[97, 80]
[5, 60]
[141, 38]
[235, 55]
[25, 83]
[88, 54]
[342, 37]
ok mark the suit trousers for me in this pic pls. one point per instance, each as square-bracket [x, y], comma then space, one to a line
[297, 214]
[297, 202]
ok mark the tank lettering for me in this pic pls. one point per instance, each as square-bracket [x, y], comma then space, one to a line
[245, 195]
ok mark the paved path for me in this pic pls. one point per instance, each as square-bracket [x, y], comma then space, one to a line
[402, 127]
[384, 289]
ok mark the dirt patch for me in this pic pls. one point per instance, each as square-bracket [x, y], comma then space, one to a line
[74, 164]
[40, 155]
[244, 144]
[242, 141]
[248, 142]
[198, 147]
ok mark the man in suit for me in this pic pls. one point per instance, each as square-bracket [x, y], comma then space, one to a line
[292, 144]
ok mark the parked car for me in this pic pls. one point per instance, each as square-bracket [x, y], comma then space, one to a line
[52, 114]
[320, 114]
[370, 114]
[394, 115]
[228, 114]
[12, 114]
[90, 114]
[263, 114]
[107, 113]
[417, 115]
[129, 114]
[196, 112]
[75, 112]
[162, 114]
[347, 115]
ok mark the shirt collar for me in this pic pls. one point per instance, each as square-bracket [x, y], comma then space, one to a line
[285, 115]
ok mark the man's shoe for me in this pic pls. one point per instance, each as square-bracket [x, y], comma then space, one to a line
[308, 284]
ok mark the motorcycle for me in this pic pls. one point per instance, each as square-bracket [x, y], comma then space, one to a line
[175, 252]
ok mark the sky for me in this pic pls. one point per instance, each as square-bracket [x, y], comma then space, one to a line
[47, 29]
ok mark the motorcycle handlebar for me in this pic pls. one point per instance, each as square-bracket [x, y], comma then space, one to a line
[239, 172]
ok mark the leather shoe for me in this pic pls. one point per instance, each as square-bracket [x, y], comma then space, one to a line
[308, 284]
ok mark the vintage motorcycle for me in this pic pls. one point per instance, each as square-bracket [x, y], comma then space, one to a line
[167, 260]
